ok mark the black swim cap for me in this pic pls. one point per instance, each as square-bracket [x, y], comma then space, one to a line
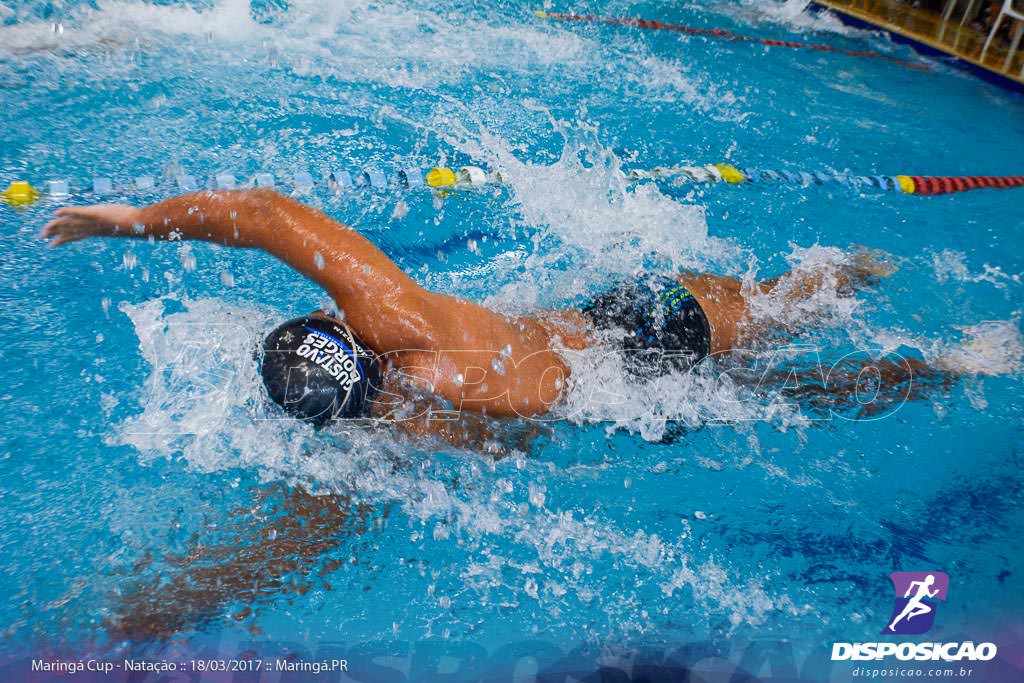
[317, 370]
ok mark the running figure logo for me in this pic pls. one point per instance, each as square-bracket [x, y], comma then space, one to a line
[916, 592]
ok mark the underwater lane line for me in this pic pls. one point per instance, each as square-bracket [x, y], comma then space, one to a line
[655, 25]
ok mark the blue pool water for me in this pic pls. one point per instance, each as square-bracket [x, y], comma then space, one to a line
[135, 466]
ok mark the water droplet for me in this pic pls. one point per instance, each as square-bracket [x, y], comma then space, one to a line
[459, 379]
[318, 260]
[537, 496]
[227, 278]
[188, 259]
[498, 366]
[699, 514]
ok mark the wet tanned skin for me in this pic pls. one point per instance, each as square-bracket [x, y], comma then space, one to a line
[444, 345]
[433, 338]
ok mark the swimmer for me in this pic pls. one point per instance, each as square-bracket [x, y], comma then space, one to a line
[319, 367]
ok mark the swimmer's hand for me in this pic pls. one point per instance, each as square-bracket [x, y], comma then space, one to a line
[73, 223]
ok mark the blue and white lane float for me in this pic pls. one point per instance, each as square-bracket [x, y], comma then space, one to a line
[21, 193]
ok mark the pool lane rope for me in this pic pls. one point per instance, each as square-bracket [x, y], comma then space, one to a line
[443, 179]
[723, 34]
[903, 184]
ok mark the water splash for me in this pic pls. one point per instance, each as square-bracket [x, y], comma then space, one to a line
[203, 403]
[416, 46]
[993, 347]
[793, 14]
[590, 225]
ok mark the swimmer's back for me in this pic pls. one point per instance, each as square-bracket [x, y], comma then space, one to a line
[483, 361]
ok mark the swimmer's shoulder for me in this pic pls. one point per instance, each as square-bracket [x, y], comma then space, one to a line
[566, 328]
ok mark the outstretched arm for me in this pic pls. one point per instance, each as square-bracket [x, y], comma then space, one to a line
[440, 340]
[383, 305]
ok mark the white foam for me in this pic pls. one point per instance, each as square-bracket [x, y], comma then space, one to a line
[950, 264]
[202, 396]
[992, 347]
[416, 45]
[603, 392]
[829, 307]
[203, 403]
[711, 586]
[582, 210]
[114, 23]
[794, 14]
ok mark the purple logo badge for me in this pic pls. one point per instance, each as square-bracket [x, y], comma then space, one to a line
[916, 593]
